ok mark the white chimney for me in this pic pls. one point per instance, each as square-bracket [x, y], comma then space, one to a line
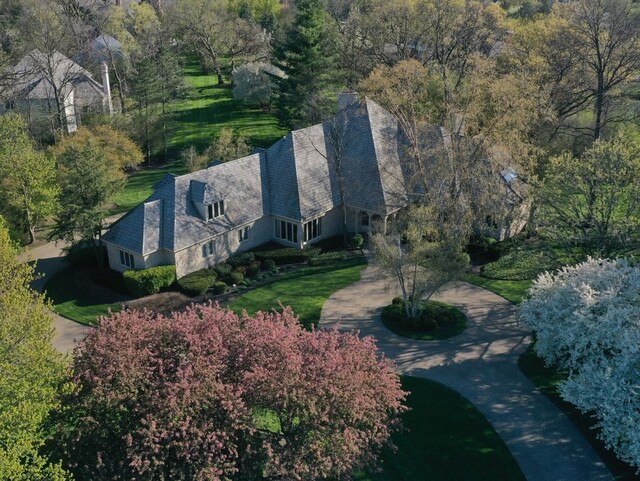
[345, 99]
[106, 87]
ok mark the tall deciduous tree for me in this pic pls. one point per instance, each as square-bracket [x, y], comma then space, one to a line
[30, 371]
[205, 394]
[27, 178]
[118, 149]
[307, 58]
[593, 201]
[227, 146]
[218, 33]
[422, 252]
[88, 183]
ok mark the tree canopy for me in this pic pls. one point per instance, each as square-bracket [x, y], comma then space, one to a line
[31, 371]
[205, 394]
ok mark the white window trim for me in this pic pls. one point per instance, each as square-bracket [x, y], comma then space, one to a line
[127, 259]
[207, 249]
[218, 206]
[284, 239]
[243, 234]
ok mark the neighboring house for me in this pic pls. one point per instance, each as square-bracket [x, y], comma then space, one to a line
[289, 193]
[54, 89]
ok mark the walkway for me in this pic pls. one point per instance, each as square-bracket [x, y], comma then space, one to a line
[49, 260]
[481, 364]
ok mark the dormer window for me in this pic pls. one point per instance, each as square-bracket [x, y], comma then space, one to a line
[215, 210]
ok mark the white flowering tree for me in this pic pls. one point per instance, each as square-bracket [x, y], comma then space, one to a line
[587, 319]
[254, 82]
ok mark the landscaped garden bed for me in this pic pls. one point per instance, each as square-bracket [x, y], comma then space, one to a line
[436, 321]
[315, 271]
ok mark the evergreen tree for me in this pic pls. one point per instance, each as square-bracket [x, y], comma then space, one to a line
[307, 57]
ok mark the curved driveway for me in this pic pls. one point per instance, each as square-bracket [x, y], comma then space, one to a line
[481, 364]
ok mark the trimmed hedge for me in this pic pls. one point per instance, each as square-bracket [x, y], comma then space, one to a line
[149, 281]
[288, 255]
[223, 269]
[242, 260]
[236, 278]
[219, 287]
[327, 258]
[84, 254]
[197, 283]
[268, 265]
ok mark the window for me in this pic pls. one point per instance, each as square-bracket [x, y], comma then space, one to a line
[287, 231]
[207, 249]
[243, 234]
[215, 210]
[126, 260]
[312, 229]
[364, 219]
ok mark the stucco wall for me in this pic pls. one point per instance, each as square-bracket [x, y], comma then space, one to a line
[114, 259]
[225, 245]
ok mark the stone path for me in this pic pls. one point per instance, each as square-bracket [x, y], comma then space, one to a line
[481, 364]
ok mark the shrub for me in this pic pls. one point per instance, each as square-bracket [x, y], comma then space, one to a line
[197, 283]
[268, 264]
[356, 241]
[149, 281]
[236, 278]
[520, 264]
[83, 254]
[397, 301]
[223, 269]
[253, 270]
[245, 259]
[219, 287]
[111, 280]
[240, 269]
[327, 258]
[288, 255]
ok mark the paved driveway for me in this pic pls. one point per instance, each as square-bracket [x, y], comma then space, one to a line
[481, 364]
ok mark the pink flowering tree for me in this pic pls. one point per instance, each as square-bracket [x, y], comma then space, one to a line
[208, 395]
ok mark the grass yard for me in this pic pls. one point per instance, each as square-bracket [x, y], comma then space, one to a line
[83, 305]
[304, 290]
[209, 108]
[513, 291]
[139, 185]
[547, 380]
[447, 439]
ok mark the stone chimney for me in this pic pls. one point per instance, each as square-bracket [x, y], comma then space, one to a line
[106, 87]
[345, 99]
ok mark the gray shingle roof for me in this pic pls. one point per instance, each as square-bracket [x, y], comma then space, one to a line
[295, 178]
[36, 74]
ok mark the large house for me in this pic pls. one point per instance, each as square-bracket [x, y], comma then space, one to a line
[51, 88]
[292, 193]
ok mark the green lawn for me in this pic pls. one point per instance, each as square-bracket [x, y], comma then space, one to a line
[304, 290]
[207, 109]
[547, 380]
[139, 185]
[447, 439]
[513, 291]
[74, 303]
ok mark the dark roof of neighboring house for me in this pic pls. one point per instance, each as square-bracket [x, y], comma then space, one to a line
[297, 178]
